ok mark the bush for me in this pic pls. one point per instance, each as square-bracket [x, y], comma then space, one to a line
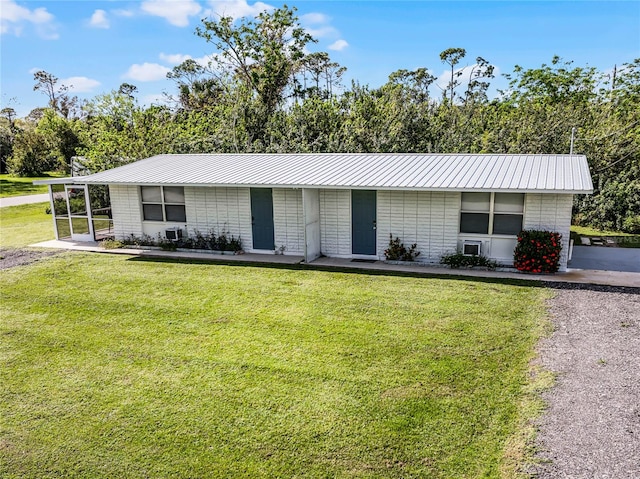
[208, 241]
[538, 251]
[459, 260]
[398, 252]
[111, 243]
[631, 224]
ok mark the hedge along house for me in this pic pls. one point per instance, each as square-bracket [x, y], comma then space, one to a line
[339, 205]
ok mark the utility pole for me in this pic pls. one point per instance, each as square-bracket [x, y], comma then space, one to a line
[573, 134]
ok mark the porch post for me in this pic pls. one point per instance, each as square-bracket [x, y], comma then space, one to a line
[311, 217]
[87, 200]
[53, 211]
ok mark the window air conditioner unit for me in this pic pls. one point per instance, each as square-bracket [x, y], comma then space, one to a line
[173, 234]
[472, 248]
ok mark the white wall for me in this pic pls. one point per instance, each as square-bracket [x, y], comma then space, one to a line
[126, 210]
[429, 219]
[219, 209]
[288, 220]
[544, 211]
[335, 222]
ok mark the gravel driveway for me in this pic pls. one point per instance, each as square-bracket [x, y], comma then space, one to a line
[592, 426]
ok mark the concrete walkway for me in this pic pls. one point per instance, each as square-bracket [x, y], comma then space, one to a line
[577, 276]
[24, 200]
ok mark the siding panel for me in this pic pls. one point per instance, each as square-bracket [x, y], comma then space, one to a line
[219, 210]
[550, 212]
[288, 220]
[126, 210]
[335, 222]
[429, 219]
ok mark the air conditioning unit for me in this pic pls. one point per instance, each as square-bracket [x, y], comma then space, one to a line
[173, 234]
[472, 248]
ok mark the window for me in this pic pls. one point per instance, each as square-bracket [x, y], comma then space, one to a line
[163, 203]
[492, 213]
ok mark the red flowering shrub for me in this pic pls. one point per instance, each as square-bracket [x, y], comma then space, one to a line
[538, 251]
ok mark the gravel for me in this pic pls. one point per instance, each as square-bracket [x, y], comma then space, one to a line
[10, 258]
[592, 426]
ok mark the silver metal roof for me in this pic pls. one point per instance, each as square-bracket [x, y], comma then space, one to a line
[430, 172]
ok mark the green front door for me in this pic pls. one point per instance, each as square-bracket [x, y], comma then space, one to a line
[363, 222]
[262, 218]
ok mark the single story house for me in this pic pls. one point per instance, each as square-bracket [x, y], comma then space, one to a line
[341, 205]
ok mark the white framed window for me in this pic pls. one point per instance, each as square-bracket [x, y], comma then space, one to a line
[492, 213]
[163, 203]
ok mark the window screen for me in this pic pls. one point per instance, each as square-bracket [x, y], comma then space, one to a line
[151, 194]
[498, 213]
[174, 194]
[476, 201]
[509, 203]
[163, 203]
[151, 212]
[507, 224]
[175, 213]
[474, 223]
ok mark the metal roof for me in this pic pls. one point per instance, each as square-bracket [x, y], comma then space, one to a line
[429, 172]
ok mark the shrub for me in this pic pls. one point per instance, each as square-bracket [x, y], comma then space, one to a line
[538, 251]
[398, 252]
[459, 260]
[111, 243]
[208, 241]
[631, 224]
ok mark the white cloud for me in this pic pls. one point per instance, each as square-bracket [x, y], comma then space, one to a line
[317, 25]
[338, 45]
[314, 18]
[155, 99]
[178, 58]
[147, 72]
[176, 12]
[464, 75]
[237, 8]
[80, 84]
[123, 13]
[13, 17]
[174, 58]
[99, 19]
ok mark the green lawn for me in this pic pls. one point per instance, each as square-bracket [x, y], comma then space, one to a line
[16, 186]
[113, 367]
[24, 225]
[589, 231]
[624, 240]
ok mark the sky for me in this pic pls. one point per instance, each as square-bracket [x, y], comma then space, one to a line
[94, 46]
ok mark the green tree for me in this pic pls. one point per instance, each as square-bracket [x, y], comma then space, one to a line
[257, 59]
[452, 56]
[58, 94]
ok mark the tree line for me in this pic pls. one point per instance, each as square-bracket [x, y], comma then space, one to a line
[262, 91]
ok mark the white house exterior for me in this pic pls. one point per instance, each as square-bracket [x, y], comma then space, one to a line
[348, 205]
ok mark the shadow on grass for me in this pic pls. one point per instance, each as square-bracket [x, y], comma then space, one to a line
[404, 274]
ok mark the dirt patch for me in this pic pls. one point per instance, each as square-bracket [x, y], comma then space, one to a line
[10, 258]
[592, 426]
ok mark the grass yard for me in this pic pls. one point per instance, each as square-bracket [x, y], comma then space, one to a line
[623, 240]
[24, 225]
[589, 231]
[18, 186]
[113, 367]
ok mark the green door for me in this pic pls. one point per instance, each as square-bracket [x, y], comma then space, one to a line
[262, 218]
[363, 222]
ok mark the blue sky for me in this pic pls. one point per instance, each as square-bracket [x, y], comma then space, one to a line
[97, 45]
